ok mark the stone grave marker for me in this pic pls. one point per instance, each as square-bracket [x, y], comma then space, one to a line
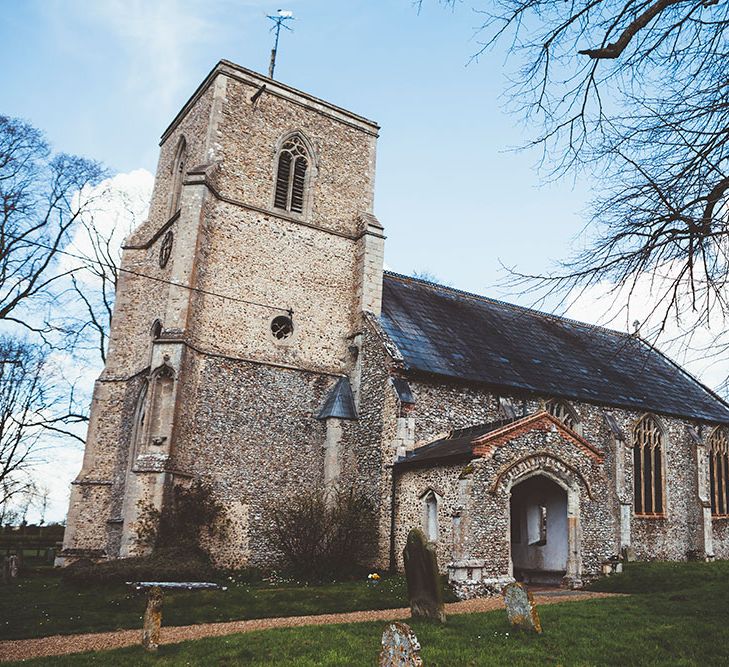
[10, 568]
[153, 612]
[521, 609]
[400, 647]
[152, 620]
[421, 571]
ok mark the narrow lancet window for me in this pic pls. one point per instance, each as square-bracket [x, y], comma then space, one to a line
[431, 517]
[719, 472]
[648, 467]
[293, 162]
[178, 174]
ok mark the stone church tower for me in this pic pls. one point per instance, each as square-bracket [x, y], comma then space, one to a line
[235, 350]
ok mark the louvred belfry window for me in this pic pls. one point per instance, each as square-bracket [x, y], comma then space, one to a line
[719, 472]
[293, 161]
[648, 467]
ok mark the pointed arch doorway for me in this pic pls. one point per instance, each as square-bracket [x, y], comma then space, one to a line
[540, 536]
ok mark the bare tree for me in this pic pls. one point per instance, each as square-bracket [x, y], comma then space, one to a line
[32, 413]
[85, 322]
[636, 92]
[42, 196]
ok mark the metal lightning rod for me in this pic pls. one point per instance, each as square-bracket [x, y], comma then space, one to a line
[282, 15]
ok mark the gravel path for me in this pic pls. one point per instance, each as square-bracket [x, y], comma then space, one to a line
[21, 649]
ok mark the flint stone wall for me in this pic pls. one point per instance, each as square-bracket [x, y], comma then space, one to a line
[441, 407]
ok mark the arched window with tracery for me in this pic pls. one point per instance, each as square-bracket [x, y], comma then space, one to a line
[565, 413]
[719, 472]
[291, 175]
[178, 174]
[648, 466]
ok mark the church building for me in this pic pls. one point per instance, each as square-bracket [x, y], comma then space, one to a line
[258, 345]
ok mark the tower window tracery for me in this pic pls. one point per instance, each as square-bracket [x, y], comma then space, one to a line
[719, 472]
[291, 173]
[648, 467]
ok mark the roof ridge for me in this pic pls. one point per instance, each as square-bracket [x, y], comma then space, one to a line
[481, 297]
[687, 373]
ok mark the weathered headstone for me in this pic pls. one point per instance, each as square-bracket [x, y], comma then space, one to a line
[421, 571]
[152, 620]
[520, 608]
[153, 612]
[10, 569]
[400, 647]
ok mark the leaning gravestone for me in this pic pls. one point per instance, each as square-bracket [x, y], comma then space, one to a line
[152, 620]
[400, 647]
[421, 571]
[520, 608]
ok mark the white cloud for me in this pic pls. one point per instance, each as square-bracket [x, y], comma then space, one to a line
[120, 203]
[116, 206]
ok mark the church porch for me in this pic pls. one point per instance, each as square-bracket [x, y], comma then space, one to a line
[513, 499]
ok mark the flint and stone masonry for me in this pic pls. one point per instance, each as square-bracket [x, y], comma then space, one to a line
[398, 385]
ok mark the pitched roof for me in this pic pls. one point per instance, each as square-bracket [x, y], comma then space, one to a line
[339, 402]
[468, 443]
[457, 444]
[454, 334]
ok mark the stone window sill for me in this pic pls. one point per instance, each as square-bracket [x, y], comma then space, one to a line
[653, 517]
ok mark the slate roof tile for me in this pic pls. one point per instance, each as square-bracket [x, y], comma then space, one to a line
[454, 334]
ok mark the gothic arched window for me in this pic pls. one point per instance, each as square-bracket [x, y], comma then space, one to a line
[140, 423]
[291, 170]
[565, 413]
[178, 174]
[648, 466]
[719, 472]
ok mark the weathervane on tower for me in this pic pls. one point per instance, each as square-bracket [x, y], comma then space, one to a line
[282, 15]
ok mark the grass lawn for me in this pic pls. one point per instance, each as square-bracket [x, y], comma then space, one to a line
[44, 605]
[678, 615]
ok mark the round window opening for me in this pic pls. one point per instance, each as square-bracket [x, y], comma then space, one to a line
[282, 327]
[165, 249]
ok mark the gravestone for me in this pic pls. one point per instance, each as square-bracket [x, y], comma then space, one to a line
[400, 647]
[153, 612]
[421, 571]
[152, 620]
[521, 609]
[10, 568]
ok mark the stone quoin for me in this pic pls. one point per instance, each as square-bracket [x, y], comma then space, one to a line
[258, 345]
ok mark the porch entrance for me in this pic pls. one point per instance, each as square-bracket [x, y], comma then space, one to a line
[539, 531]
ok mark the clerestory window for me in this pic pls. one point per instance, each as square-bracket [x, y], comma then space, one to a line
[648, 467]
[564, 413]
[719, 472]
[291, 173]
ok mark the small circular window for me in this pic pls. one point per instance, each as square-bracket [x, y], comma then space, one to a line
[165, 249]
[282, 327]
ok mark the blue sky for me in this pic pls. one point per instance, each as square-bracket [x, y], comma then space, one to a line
[104, 78]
